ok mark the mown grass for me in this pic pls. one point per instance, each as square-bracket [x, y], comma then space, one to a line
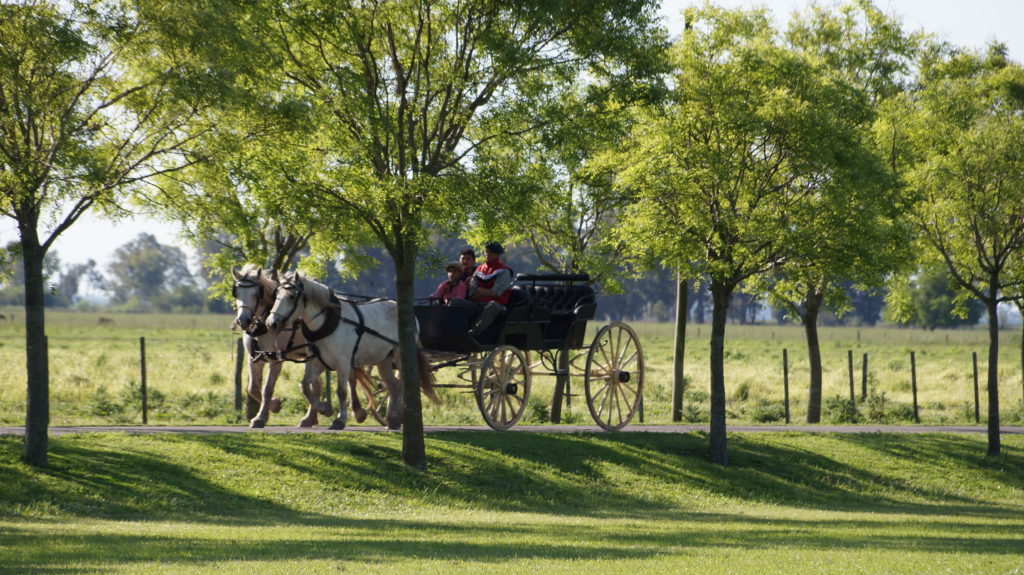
[514, 502]
[96, 376]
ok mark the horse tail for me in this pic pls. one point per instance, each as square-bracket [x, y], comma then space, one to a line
[363, 379]
[427, 378]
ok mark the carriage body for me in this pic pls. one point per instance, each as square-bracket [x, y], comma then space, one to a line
[542, 332]
[545, 311]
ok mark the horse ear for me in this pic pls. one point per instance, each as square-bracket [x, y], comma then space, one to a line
[236, 273]
[259, 271]
[274, 275]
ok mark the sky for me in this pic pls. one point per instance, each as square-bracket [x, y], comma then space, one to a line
[970, 24]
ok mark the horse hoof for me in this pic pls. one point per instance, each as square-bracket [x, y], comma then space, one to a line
[257, 424]
[393, 427]
[359, 414]
[275, 405]
[325, 410]
[337, 425]
[307, 422]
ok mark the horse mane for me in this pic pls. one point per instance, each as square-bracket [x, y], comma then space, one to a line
[317, 292]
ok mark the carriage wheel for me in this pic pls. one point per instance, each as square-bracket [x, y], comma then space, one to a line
[503, 387]
[374, 398]
[614, 378]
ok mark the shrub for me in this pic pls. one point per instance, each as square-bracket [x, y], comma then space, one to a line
[540, 411]
[767, 412]
[839, 409]
[874, 408]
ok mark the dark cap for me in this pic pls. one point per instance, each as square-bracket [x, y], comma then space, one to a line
[494, 247]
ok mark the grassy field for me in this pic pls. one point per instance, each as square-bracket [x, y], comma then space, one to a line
[190, 359]
[514, 503]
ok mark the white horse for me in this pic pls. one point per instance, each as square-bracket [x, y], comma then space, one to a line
[344, 335]
[253, 291]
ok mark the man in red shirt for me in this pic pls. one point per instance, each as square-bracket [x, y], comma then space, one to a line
[491, 287]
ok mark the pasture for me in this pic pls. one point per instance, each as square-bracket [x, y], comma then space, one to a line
[190, 359]
[514, 503]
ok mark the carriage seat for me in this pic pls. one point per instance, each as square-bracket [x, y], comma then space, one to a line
[559, 295]
[560, 305]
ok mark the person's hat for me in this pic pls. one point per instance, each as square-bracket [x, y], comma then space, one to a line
[494, 247]
[453, 267]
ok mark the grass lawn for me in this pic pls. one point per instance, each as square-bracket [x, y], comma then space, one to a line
[514, 503]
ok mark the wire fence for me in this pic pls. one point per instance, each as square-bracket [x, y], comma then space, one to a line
[168, 379]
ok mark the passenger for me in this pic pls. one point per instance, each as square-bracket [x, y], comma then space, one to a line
[491, 287]
[452, 288]
[467, 258]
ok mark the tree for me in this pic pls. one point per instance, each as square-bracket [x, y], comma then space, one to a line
[404, 95]
[725, 175]
[85, 113]
[150, 274]
[860, 232]
[931, 300]
[958, 143]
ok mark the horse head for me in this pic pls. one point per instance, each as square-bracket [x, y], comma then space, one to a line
[287, 301]
[250, 290]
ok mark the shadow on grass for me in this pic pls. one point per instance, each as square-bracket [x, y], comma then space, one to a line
[305, 478]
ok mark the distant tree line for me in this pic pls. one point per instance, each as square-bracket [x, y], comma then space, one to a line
[147, 276]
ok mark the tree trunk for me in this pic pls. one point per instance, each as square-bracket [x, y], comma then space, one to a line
[812, 308]
[993, 372]
[37, 417]
[721, 295]
[1021, 307]
[678, 379]
[413, 448]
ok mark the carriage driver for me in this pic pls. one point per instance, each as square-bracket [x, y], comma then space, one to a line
[490, 288]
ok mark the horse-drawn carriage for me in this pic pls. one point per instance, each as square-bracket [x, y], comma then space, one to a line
[541, 332]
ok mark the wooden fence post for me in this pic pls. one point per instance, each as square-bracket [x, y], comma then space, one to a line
[913, 385]
[142, 357]
[977, 411]
[864, 378]
[785, 380]
[849, 364]
[239, 361]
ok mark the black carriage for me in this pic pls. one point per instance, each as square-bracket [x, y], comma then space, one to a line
[542, 332]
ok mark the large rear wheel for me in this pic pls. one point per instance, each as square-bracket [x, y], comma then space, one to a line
[503, 387]
[614, 378]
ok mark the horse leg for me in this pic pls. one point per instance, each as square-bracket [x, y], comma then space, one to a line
[357, 378]
[340, 421]
[255, 380]
[312, 417]
[395, 406]
[268, 403]
[311, 388]
[268, 388]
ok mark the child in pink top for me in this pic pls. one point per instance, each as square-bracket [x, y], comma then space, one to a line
[453, 287]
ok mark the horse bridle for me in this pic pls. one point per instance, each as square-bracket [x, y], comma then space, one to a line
[248, 283]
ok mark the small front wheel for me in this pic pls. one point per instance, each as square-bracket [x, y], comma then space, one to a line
[614, 378]
[503, 387]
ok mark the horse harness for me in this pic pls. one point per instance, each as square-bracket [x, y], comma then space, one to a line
[332, 320]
